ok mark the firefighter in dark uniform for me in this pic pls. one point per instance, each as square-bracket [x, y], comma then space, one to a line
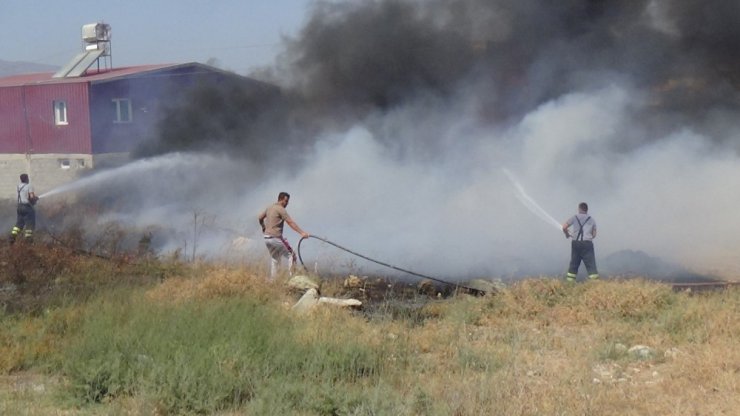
[582, 228]
[26, 218]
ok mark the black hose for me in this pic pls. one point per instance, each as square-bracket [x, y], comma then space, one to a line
[477, 292]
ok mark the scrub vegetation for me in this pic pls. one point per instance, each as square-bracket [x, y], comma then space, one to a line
[135, 335]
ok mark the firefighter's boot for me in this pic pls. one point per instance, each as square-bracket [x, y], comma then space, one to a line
[13, 235]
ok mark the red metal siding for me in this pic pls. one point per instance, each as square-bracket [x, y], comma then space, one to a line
[13, 133]
[45, 136]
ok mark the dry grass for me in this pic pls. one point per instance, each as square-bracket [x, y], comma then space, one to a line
[554, 348]
[214, 282]
[546, 347]
[539, 347]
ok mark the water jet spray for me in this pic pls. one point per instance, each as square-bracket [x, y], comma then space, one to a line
[530, 203]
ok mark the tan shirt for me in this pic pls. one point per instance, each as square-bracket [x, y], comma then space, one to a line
[275, 216]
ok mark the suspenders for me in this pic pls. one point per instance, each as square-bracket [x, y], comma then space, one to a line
[20, 188]
[580, 226]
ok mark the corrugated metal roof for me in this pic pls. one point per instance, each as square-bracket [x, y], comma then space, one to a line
[94, 76]
[46, 77]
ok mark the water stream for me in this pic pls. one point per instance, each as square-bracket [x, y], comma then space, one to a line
[530, 203]
[122, 172]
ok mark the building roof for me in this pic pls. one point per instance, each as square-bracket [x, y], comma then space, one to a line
[90, 76]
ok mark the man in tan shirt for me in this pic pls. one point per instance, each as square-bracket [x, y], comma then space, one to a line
[272, 220]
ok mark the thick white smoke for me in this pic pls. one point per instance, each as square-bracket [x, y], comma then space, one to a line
[456, 214]
[405, 136]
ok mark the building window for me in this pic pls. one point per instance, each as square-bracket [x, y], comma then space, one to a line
[64, 163]
[122, 110]
[60, 113]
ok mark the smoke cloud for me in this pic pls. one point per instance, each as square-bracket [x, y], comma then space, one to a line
[398, 118]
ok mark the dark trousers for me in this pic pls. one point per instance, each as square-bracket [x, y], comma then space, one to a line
[26, 217]
[25, 221]
[582, 251]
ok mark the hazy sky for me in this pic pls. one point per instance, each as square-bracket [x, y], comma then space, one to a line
[239, 34]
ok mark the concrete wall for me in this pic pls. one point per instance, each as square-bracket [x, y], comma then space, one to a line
[49, 171]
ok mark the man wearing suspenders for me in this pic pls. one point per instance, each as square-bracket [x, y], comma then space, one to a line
[26, 218]
[582, 228]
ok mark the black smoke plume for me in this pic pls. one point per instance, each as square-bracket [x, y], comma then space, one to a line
[357, 58]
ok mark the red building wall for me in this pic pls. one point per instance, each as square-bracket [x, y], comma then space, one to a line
[13, 133]
[45, 136]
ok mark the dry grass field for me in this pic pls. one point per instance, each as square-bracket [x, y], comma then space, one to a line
[123, 336]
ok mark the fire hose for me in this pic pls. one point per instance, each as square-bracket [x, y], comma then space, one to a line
[477, 292]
